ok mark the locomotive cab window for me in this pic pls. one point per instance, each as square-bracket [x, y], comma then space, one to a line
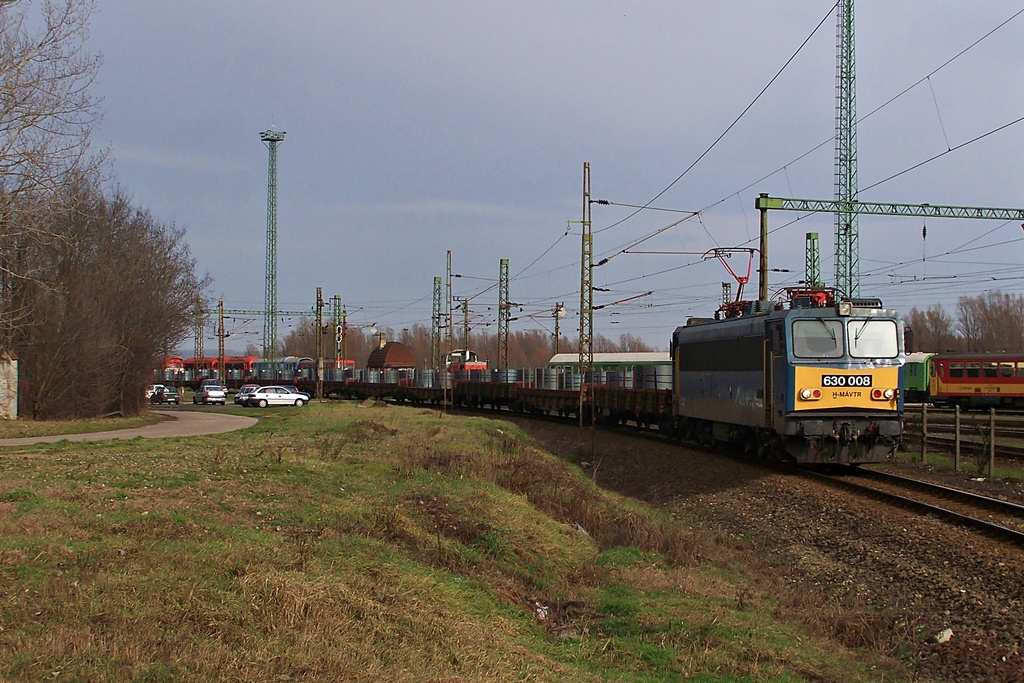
[818, 338]
[873, 339]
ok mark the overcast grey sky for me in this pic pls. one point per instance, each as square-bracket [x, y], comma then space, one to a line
[414, 128]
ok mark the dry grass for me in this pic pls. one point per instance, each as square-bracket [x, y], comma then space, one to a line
[346, 543]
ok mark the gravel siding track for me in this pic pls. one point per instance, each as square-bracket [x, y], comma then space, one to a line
[919, 575]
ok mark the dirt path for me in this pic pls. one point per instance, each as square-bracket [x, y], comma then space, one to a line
[179, 423]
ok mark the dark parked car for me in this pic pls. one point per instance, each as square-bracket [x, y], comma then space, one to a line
[165, 395]
[244, 391]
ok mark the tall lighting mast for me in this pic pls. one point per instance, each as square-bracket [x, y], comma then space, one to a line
[272, 139]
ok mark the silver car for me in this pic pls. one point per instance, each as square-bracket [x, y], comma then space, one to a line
[210, 393]
[275, 396]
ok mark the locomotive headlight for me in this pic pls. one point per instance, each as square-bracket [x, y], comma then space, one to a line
[805, 394]
[889, 393]
[810, 394]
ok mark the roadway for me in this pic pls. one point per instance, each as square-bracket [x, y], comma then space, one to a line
[179, 423]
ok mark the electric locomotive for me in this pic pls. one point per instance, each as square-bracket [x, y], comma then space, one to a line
[815, 381]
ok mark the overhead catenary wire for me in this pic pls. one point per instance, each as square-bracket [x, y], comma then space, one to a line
[527, 271]
[730, 126]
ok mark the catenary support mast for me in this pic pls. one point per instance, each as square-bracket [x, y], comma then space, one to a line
[847, 226]
[586, 293]
[504, 314]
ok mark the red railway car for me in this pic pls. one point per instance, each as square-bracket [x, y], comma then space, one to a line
[977, 380]
[172, 372]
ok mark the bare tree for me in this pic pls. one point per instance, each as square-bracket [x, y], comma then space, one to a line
[114, 291]
[991, 322]
[46, 118]
[933, 329]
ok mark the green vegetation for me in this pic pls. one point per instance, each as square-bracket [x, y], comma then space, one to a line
[338, 542]
[974, 461]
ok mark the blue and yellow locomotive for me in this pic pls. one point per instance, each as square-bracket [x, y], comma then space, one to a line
[816, 381]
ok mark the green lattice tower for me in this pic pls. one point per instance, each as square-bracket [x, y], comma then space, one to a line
[199, 327]
[504, 314]
[846, 223]
[812, 260]
[336, 318]
[435, 329]
[272, 139]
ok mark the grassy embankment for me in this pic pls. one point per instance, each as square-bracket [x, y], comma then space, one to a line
[336, 542]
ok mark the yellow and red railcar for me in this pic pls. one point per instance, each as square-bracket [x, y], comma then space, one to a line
[977, 380]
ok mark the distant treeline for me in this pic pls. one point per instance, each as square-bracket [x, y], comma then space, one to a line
[988, 322]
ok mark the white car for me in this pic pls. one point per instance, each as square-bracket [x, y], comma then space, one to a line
[275, 396]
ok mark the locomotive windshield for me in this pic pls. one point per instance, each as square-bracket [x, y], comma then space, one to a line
[818, 338]
[828, 338]
[873, 338]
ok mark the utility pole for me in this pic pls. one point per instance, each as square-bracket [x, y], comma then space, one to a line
[586, 293]
[319, 327]
[465, 329]
[504, 314]
[445, 376]
[559, 314]
[272, 139]
[847, 225]
[198, 325]
[221, 360]
[344, 333]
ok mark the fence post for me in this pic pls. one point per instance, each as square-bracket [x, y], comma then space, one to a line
[991, 443]
[956, 437]
[924, 431]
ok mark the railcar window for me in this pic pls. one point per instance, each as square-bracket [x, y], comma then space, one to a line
[1006, 369]
[818, 338]
[1020, 368]
[956, 369]
[974, 369]
[988, 369]
[873, 339]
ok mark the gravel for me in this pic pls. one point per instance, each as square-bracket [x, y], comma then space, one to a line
[901, 578]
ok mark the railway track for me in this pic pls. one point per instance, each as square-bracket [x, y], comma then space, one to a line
[997, 518]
